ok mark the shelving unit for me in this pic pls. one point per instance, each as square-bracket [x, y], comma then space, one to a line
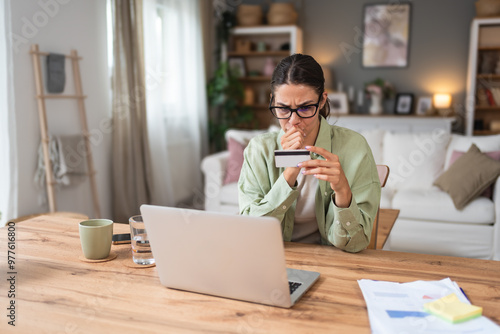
[244, 43]
[483, 80]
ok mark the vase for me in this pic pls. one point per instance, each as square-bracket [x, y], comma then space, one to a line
[376, 104]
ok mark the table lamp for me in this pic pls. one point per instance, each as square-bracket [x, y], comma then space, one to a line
[442, 103]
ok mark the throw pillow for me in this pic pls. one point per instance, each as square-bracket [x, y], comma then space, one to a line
[494, 155]
[463, 143]
[235, 160]
[469, 176]
[237, 140]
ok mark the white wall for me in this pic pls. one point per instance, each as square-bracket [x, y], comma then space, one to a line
[59, 26]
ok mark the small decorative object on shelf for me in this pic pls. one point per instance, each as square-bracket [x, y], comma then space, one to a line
[424, 106]
[243, 45]
[404, 103]
[442, 103]
[249, 96]
[269, 67]
[261, 46]
[495, 126]
[338, 103]
[249, 15]
[282, 14]
[485, 8]
[237, 67]
[488, 61]
[360, 102]
[377, 91]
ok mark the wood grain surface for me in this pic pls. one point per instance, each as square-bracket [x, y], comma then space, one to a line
[57, 293]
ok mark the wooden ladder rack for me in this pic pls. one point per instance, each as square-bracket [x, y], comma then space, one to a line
[42, 113]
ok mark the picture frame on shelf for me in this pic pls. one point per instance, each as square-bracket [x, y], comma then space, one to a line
[237, 67]
[424, 104]
[386, 27]
[338, 103]
[404, 104]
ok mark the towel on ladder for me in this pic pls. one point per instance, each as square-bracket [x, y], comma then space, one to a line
[56, 77]
[67, 156]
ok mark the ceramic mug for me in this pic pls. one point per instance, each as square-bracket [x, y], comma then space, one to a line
[95, 237]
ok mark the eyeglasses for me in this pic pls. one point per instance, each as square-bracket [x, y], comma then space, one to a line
[306, 111]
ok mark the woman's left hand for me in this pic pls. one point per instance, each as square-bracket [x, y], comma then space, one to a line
[329, 170]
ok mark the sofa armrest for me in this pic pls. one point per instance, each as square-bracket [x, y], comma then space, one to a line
[214, 166]
[496, 233]
[214, 169]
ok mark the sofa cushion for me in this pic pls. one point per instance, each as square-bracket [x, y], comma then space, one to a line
[229, 194]
[469, 176]
[436, 205]
[441, 238]
[463, 143]
[415, 160]
[234, 161]
[237, 140]
[374, 139]
[386, 198]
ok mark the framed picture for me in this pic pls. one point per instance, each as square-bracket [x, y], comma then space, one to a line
[237, 66]
[338, 103]
[386, 35]
[404, 103]
[424, 104]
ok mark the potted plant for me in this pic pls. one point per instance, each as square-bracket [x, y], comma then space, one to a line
[226, 92]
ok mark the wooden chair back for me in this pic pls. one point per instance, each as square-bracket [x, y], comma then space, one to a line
[383, 175]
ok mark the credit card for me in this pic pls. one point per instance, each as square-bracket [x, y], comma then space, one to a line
[290, 158]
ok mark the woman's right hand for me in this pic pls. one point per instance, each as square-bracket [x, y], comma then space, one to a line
[293, 139]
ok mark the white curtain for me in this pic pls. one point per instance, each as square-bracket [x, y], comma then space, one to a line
[8, 162]
[176, 98]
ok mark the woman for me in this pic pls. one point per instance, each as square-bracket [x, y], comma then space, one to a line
[332, 198]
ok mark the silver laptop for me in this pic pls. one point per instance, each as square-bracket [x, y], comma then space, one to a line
[232, 256]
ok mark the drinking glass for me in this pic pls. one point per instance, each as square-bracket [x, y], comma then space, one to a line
[141, 249]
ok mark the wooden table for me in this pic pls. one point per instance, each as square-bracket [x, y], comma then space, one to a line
[55, 292]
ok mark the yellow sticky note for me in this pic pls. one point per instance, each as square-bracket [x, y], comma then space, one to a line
[451, 309]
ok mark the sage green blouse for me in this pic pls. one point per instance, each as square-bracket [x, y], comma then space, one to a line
[263, 191]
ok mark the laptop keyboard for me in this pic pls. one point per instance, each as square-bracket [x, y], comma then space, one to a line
[293, 286]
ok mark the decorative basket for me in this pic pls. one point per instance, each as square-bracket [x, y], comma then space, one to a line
[282, 14]
[249, 15]
[486, 8]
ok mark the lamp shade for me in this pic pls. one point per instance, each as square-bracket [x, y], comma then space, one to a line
[442, 101]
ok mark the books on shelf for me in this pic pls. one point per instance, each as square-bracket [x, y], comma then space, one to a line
[495, 92]
[488, 96]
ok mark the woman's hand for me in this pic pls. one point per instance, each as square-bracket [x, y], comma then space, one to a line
[293, 139]
[329, 170]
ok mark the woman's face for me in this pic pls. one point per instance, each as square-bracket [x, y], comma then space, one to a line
[294, 96]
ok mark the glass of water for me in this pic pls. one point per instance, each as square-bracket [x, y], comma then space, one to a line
[141, 249]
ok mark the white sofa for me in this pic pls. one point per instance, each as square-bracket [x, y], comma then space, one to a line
[428, 221]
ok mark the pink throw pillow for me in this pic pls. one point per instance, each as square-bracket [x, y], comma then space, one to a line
[234, 162]
[495, 155]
